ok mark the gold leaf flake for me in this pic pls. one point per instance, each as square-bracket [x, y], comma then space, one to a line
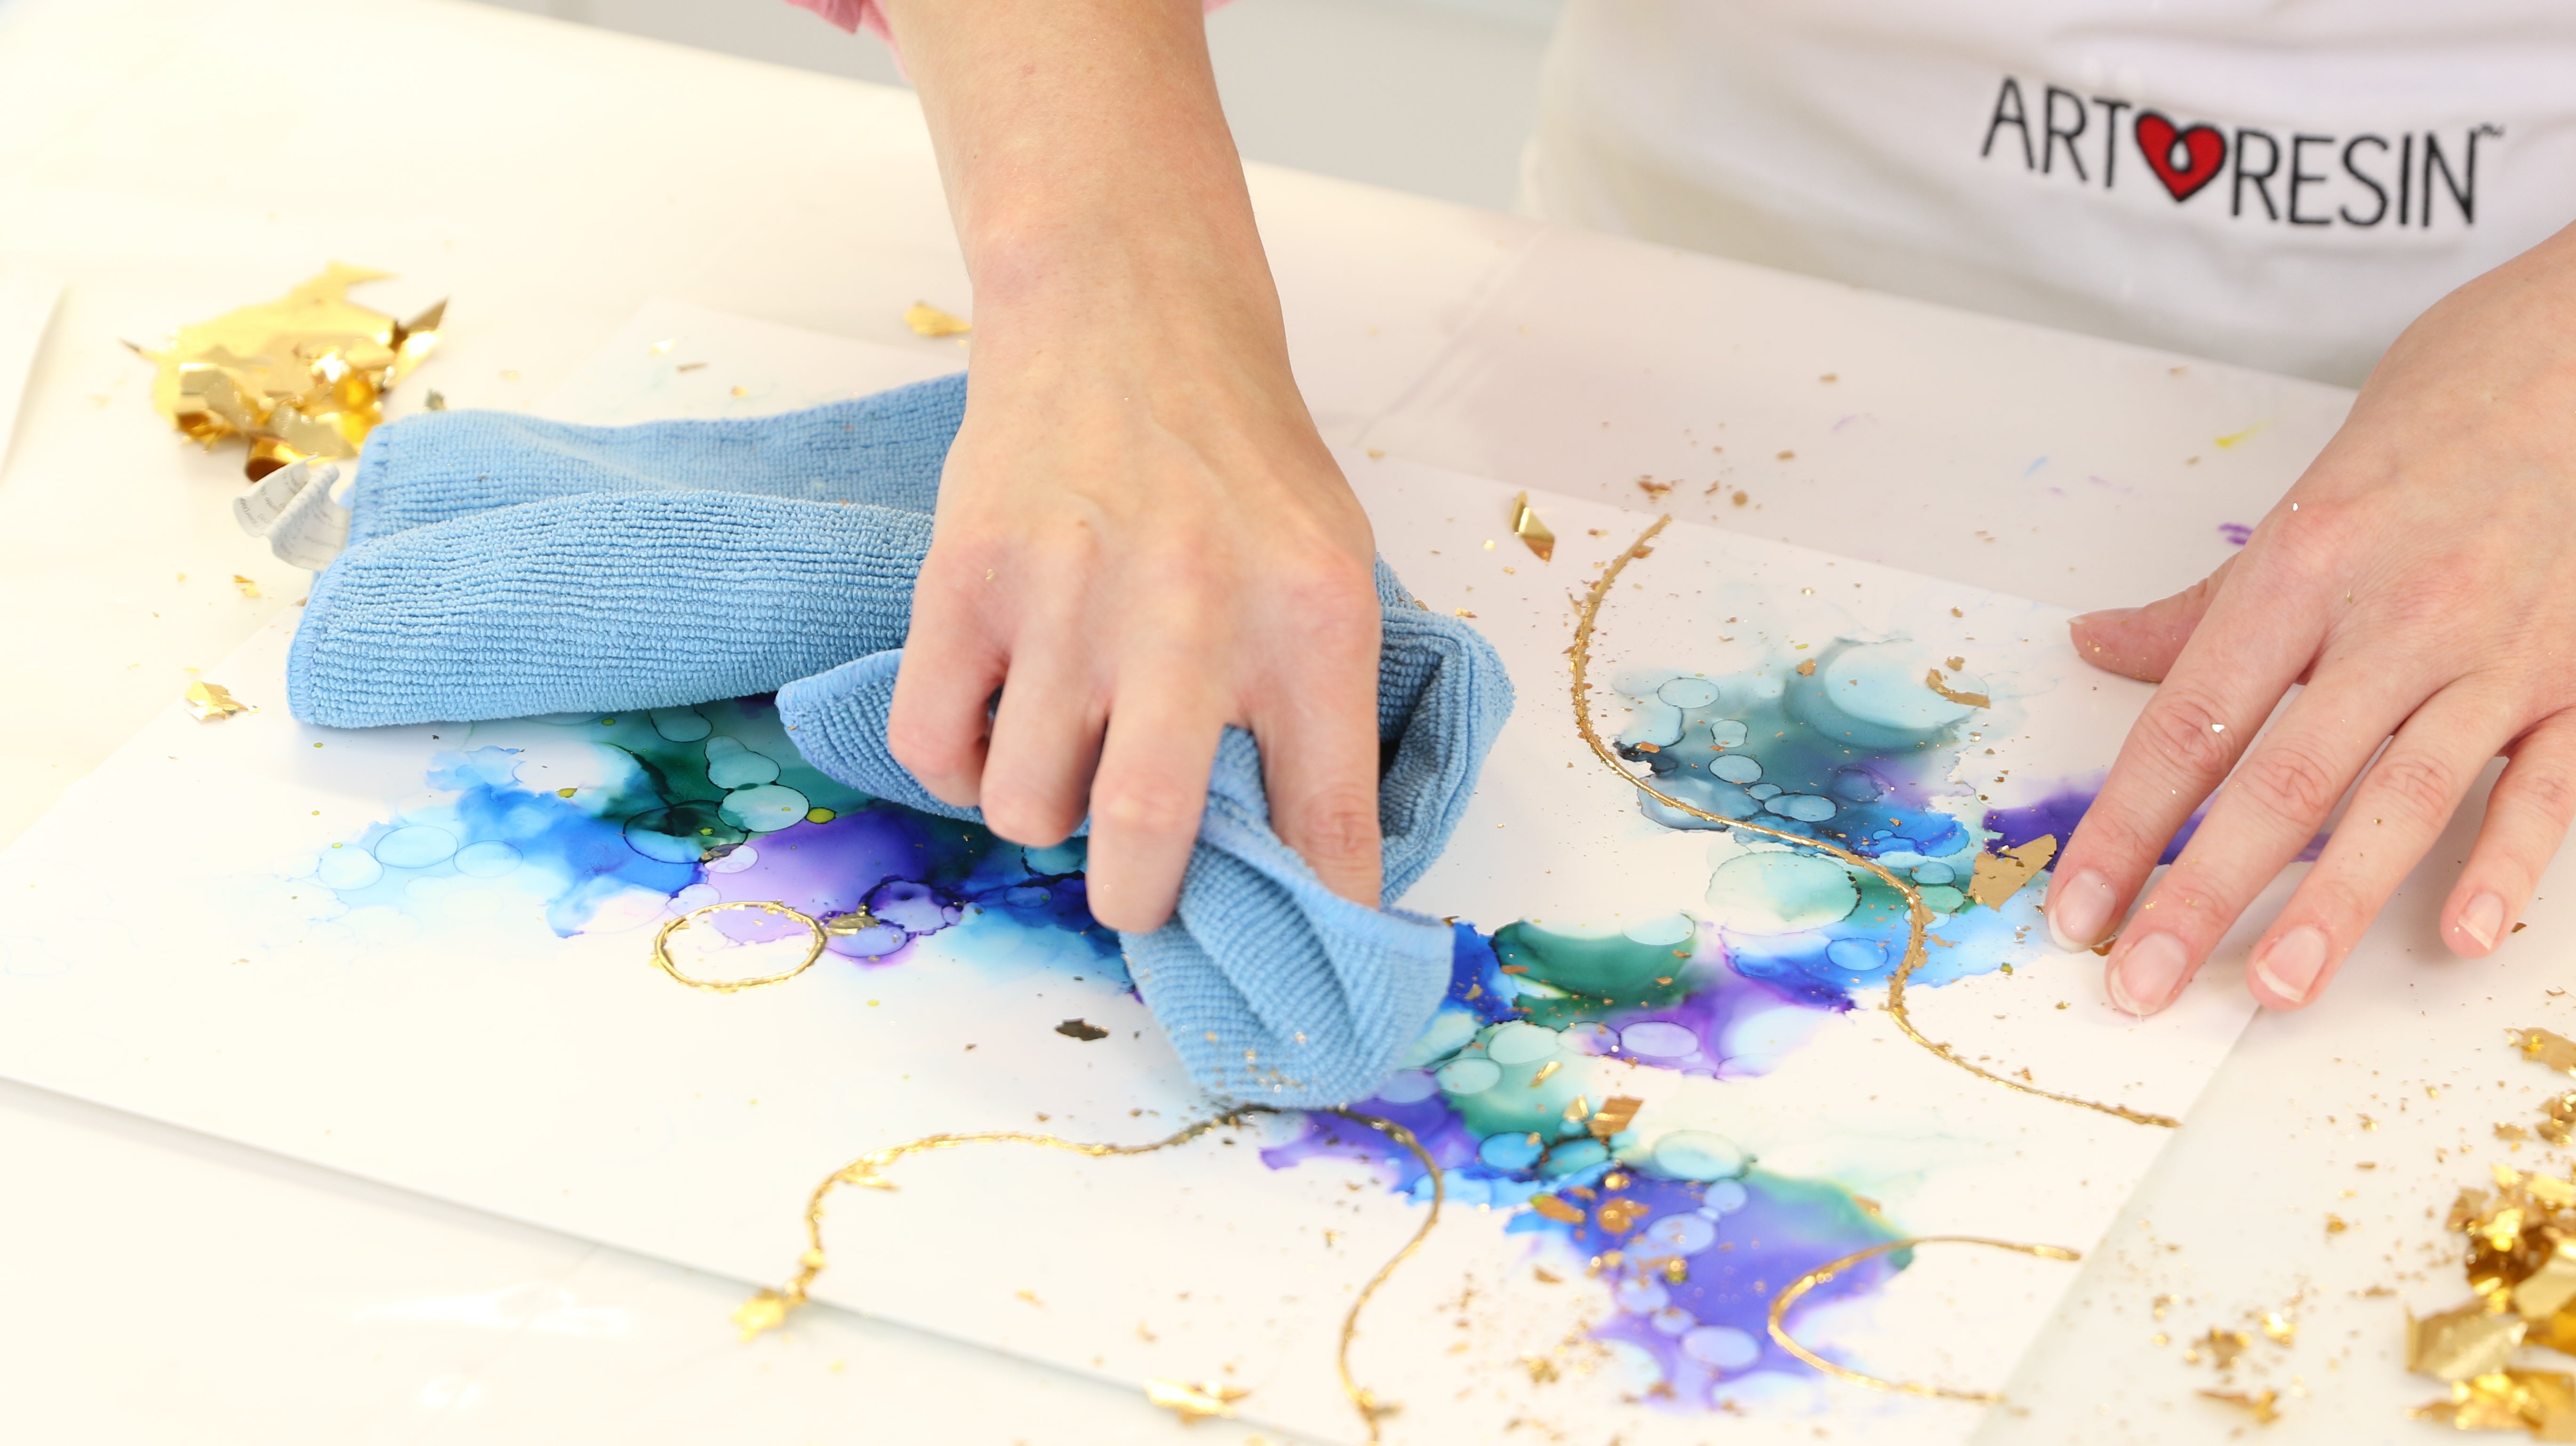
[2549, 1288]
[1556, 1209]
[2462, 1343]
[2224, 1346]
[246, 587]
[1614, 1115]
[2540, 1402]
[928, 320]
[1082, 1030]
[1529, 529]
[1807, 669]
[1201, 1402]
[1621, 1216]
[207, 702]
[1541, 1369]
[2553, 1050]
[765, 1311]
[1934, 681]
[1998, 877]
[2261, 1405]
[1545, 1070]
[2279, 1329]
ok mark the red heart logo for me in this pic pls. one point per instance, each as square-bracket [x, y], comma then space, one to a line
[2201, 149]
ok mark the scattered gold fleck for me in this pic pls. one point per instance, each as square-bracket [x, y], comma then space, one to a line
[207, 702]
[1545, 1276]
[1081, 1030]
[1541, 1369]
[1807, 669]
[301, 376]
[1997, 877]
[1190, 1403]
[1545, 1070]
[2224, 1346]
[1461, 612]
[245, 586]
[766, 1311]
[566, 792]
[2278, 1328]
[1530, 530]
[1740, 498]
[1933, 681]
[742, 391]
[2261, 1405]
[1960, 665]
[928, 320]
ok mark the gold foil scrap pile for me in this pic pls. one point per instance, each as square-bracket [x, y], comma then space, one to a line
[2522, 1268]
[302, 376]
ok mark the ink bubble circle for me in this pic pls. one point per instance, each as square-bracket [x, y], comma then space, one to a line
[415, 847]
[1934, 873]
[1664, 932]
[1575, 1158]
[1698, 1155]
[730, 765]
[1804, 807]
[347, 866]
[1688, 692]
[1641, 1295]
[489, 859]
[1727, 733]
[1520, 1044]
[764, 807]
[1656, 1039]
[684, 833]
[681, 725]
[1860, 956]
[1780, 893]
[1736, 768]
[1672, 1320]
[1679, 1235]
[1723, 1198]
[1513, 1151]
[1470, 1076]
[1724, 1347]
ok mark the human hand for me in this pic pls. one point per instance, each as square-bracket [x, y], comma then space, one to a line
[1140, 542]
[2420, 580]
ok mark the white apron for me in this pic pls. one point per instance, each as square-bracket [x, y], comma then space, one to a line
[2285, 185]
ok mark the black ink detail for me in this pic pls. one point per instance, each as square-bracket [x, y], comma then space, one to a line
[2298, 177]
[2110, 136]
[2048, 148]
[2465, 198]
[2261, 178]
[2009, 112]
[2376, 189]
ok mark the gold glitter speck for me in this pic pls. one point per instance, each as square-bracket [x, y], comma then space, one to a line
[1195, 1403]
[2263, 1406]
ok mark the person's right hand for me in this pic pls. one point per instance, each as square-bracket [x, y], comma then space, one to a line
[1140, 540]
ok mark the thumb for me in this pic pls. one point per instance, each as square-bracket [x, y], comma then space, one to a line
[2143, 642]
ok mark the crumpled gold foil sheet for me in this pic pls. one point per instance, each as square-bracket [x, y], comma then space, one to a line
[209, 702]
[2521, 1268]
[302, 376]
[1527, 527]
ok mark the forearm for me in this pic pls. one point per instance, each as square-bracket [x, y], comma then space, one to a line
[1090, 173]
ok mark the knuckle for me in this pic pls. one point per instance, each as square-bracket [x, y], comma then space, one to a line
[1150, 808]
[2288, 780]
[2187, 904]
[2183, 728]
[2416, 786]
[1339, 825]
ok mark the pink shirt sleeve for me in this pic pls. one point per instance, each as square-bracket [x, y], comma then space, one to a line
[851, 14]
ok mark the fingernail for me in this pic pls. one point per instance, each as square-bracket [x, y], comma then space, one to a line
[2144, 977]
[2104, 617]
[2289, 965]
[2080, 914]
[2483, 920]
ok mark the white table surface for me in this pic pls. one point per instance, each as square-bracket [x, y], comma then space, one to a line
[172, 160]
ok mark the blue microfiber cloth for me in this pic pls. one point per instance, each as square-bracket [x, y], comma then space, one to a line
[501, 566]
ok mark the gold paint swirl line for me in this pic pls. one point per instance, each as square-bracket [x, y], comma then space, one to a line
[1798, 1288]
[1918, 917]
[768, 1309]
[662, 946]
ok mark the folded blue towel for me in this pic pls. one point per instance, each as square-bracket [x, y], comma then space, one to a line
[502, 566]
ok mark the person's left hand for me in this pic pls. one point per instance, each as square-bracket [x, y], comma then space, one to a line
[2420, 579]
